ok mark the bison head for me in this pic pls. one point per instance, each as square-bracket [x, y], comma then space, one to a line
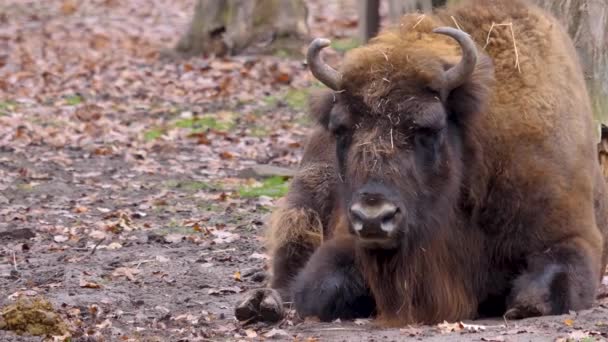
[398, 114]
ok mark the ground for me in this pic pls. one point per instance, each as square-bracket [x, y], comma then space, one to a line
[126, 198]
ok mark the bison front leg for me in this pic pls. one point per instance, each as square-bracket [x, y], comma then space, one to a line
[293, 235]
[331, 285]
[295, 230]
[564, 277]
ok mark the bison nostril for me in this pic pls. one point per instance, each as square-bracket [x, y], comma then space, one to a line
[381, 212]
[389, 215]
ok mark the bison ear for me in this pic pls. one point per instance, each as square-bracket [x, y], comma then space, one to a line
[321, 103]
[472, 97]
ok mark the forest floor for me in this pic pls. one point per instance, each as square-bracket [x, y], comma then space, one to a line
[125, 196]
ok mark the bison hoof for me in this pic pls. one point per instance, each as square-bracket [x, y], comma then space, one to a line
[260, 305]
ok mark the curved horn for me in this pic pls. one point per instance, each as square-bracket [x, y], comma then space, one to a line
[461, 72]
[323, 72]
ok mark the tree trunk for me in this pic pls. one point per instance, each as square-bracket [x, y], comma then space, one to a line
[587, 24]
[399, 7]
[234, 26]
[369, 19]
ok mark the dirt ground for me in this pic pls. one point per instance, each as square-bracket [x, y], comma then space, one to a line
[125, 198]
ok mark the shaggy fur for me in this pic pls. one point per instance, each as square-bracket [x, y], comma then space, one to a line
[505, 199]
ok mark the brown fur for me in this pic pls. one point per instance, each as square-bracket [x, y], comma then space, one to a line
[517, 194]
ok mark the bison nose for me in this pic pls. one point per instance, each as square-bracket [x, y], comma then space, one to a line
[374, 219]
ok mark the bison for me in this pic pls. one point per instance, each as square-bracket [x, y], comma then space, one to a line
[453, 174]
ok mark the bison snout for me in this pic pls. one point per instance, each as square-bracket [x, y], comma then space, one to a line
[374, 219]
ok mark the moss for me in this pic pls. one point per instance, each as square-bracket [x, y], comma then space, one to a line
[191, 186]
[7, 107]
[221, 121]
[153, 134]
[296, 99]
[33, 317]
[271, 187]
[73, 100]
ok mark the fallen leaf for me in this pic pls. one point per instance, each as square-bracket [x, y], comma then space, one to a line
[446, 327]
[226, 155]
[472, 327]
[237, 276]
[224, 236]
[161, 258]
[114, 246]
[126, 272]
[80, 210]
[103, 325]
[361, 321]
[60, 238]
[98, 235]
[276, 333]
[174, 238]
[69, 7]
[259, 256]
[89, 284]
[569, 322]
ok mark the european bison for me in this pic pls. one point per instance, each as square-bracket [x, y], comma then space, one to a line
[453, 174]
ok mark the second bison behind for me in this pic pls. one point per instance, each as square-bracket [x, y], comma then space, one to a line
[451, 175]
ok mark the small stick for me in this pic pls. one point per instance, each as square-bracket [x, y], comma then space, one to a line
[14, 261]
[97, 245]
[218, 251]
[455, 22]
[510, 25]
[420, 19]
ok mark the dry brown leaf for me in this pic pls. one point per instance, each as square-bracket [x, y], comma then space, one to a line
[81, 209]
[446, 327]
[276, 333]
[225, 155]
[569, 322]
[69, 7]
[237, 276]
[89, 284]
[126, 272]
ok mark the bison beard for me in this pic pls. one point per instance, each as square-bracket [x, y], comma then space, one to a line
[445, 182]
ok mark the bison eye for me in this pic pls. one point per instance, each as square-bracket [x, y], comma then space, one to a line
[428, 138]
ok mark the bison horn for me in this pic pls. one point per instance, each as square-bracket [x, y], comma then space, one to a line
[323, 72]
[461, 72]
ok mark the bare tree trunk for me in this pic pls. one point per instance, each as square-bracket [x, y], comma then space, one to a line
[369, 19]
[399, 7]
[587, 24]
[233, 26]
[369, 16]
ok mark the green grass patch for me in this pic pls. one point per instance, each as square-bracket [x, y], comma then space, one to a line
[297, 99]
[259, 132]
[153, 134]
[345, 44]
[272, 187]
[223, 121]
[73, 100]
[189, 185]
[7, 107]
[271, 101]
